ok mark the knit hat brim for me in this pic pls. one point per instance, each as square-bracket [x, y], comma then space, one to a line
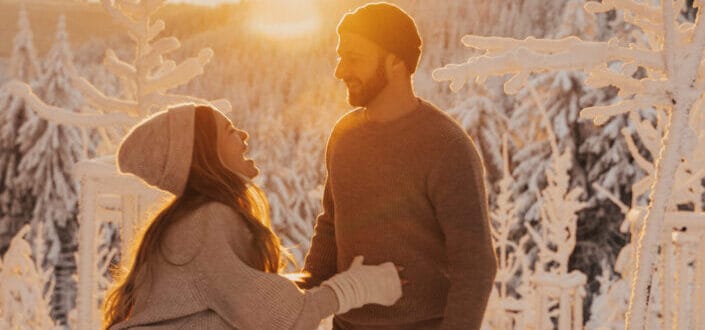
[160, 148]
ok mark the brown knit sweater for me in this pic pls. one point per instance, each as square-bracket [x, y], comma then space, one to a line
[410, 191]
[210, 287]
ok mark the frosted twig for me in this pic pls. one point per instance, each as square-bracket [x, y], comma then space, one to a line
[646, 165]
[622, 207]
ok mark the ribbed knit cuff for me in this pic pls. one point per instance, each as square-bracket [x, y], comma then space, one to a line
[343, 285]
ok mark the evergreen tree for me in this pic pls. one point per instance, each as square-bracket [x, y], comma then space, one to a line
[482, 116]
[24, 64]
[15, 204]
[49, 152]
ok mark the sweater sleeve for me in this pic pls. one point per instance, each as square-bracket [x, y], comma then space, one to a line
[457, 192]
[248, 298]
[321, 260]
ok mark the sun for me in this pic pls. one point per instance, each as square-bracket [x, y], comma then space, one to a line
[284, 19]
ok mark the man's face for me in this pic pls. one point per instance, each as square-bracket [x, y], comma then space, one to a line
[361, 67]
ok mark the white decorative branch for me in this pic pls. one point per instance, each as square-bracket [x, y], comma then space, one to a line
[66, 117]
[180, 75]
[105, 103]
[118, 67]
[535, 55]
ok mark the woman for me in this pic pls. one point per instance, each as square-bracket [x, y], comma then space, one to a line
[209, 259]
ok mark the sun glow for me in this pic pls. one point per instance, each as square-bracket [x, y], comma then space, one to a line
[284, 18]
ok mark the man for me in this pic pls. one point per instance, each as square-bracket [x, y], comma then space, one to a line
[404, 184]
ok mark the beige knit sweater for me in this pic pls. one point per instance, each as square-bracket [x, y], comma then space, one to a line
[410, 191]
[206, 284]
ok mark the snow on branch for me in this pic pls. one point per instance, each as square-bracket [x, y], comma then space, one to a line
[642, 10]
[181, 74]
[647, 18]
[155, 29]
[159, 48]
[67, 117]
[118, 67]
[523, 57]
[122, 18]
[601, 76]
[151, 6]
[130, 7]
[108, 104]
[602, 114]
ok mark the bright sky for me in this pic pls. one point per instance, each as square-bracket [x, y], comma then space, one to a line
[276, 18]
[284, 18]
[205, 2]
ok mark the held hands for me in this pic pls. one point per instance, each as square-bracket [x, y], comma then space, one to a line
[366, 284]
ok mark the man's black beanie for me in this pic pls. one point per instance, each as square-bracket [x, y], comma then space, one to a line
[389, 27]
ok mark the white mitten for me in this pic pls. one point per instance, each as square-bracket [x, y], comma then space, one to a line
[365, 284]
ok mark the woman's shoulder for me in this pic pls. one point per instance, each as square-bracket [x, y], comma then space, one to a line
[212, 208]
[224, 224]
[185, 238]
[218, 216]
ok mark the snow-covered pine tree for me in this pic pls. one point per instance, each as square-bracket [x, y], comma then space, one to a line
[15, 205]
[561, 92]
[49, 151]
[27, 285]
[24, 64]
[482, 116]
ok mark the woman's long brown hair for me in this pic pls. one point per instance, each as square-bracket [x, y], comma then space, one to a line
[209, 180]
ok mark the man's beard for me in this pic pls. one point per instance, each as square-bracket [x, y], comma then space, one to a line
[368, 90]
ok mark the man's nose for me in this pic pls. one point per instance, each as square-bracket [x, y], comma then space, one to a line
[243, 135]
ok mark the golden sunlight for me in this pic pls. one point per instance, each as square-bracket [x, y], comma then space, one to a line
[284, 18]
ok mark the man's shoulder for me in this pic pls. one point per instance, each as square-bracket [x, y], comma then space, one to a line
[441, 126]
[348, 119]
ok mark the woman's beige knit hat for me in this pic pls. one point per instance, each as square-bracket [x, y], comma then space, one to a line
[159, 149]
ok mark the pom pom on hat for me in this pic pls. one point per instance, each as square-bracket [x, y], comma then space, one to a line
[160, 148]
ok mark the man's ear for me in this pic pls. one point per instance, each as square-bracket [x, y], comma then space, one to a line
[396, 65]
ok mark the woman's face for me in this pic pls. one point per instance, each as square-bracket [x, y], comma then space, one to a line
[232, 145]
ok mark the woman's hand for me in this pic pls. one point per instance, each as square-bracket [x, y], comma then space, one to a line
[366, 284]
